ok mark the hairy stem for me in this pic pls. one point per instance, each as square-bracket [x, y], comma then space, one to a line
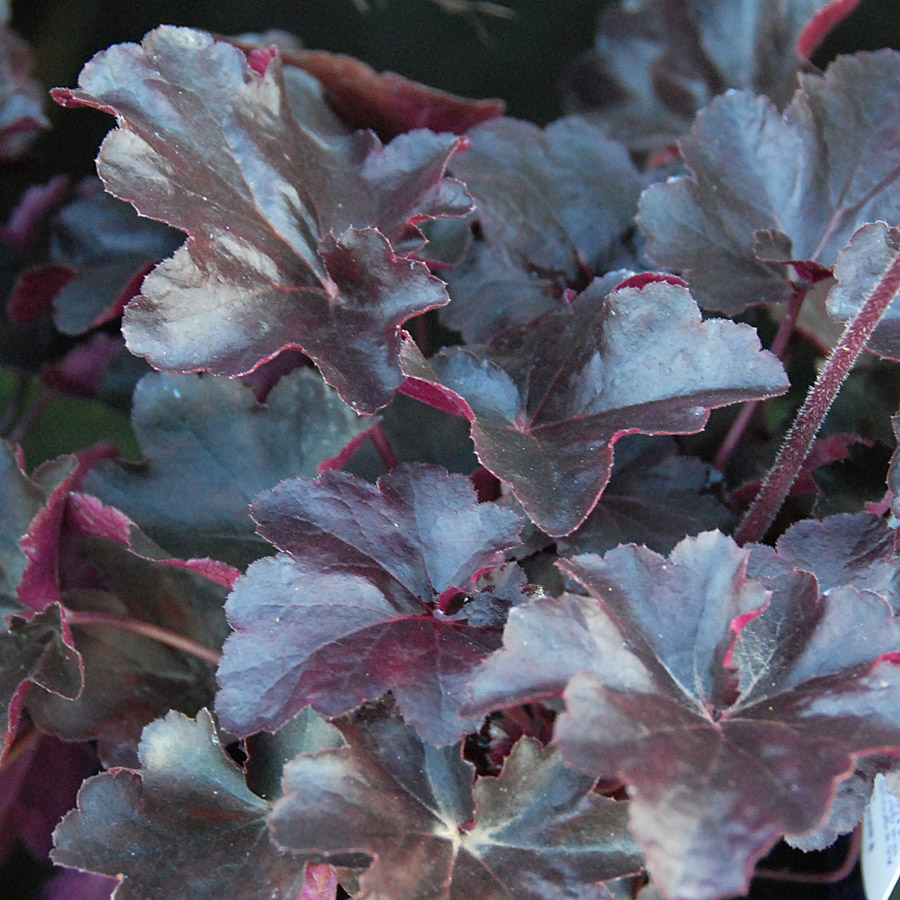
[799, 440]
[145, 629]
[779, 346]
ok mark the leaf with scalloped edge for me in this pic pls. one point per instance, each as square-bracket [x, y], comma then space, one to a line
[553, 206]
[34, 651]
[294, 234]
[713, 696]
[147, 627]
[548, 402]
[856, 550]
[182, 825]
[655, 497]
[860, 268]
[105, 248]
[772, 198]
[656, 62]
[536, 832]
[210, 448]
[363, 599]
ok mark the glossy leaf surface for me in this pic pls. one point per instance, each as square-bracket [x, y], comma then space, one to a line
[210, 448]
[772, 199]
[292, 233]
[713, 696]
[534, 833]
[549, 401]
[357, 602]
[187, 803]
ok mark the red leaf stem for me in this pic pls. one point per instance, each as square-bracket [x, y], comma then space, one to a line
[779, 345]
[800, 438]
[378, 437]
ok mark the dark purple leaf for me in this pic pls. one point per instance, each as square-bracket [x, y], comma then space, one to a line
[360, 601]
[656, 62]
[27, 336]
[810, 178]
[183, 825]
[21, 97]
[655, 497]
[30, 217]
[493, 291]
[31, 299]
[34, 651]
[859, 270]
[39, 582]
[107, 249]
[83, 370]
[99, 252]
[535, 832]
[37, 788]
[74, 885]
[713, 696]
[387, 103]
[548, 402]
[268, 753]
[841, 551]
[552, 205]
[210, 448]
[117, 588]
[564, 632]
[292, 233]
[853, 794]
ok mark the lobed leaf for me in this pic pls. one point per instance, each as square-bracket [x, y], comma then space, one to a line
[772, 198]
[292, 232]
[117, 588]
[656, 62]
[104, 249]
[654, 497]
[548, 402]
[357, 602]
[713, 696]
[188, 806]
[552, 205]
[536, 832]
[210, 448]
[847, 550]
[35, 651]
[387, 103]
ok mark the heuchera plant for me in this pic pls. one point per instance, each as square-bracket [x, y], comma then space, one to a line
[437, 577]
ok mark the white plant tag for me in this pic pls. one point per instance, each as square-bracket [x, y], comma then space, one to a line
[881, 843]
